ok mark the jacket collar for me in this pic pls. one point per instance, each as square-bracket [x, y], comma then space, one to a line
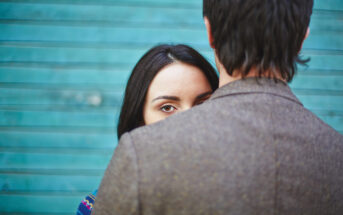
[256, 86]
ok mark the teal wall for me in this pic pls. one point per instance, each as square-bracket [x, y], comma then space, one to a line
[63, 68]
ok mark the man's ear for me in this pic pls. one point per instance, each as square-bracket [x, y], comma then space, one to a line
[209, 32]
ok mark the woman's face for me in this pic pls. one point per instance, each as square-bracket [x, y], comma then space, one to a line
[177, 87]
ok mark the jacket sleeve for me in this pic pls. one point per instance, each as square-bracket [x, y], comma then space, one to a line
[118, 192]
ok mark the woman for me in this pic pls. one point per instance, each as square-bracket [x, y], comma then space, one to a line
[166, 80]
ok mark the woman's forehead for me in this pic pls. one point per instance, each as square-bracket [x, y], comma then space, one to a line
[178, 79]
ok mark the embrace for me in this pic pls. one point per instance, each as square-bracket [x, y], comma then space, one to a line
[245, 145]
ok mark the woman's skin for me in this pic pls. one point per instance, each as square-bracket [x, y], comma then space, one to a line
[177, 87]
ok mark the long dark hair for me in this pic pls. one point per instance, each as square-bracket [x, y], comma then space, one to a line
[131, 115]
[259, 33]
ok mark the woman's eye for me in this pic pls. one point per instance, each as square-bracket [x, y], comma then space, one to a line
[167, 108]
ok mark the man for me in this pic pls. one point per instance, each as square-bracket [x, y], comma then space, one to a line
[252, 148]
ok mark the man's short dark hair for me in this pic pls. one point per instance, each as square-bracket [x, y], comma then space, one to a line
[266, 34]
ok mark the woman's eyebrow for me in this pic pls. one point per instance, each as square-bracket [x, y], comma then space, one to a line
[167, 98]
[202, 95]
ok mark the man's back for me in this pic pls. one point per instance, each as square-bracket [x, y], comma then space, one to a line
[251, 149]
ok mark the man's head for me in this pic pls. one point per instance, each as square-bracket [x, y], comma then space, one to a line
[263, 34]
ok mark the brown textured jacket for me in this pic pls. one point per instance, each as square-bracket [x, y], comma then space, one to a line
[252, 148]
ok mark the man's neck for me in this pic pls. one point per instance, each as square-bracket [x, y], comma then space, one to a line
[225, 78]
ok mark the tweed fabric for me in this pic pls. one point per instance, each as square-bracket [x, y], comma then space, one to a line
[252, 148]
